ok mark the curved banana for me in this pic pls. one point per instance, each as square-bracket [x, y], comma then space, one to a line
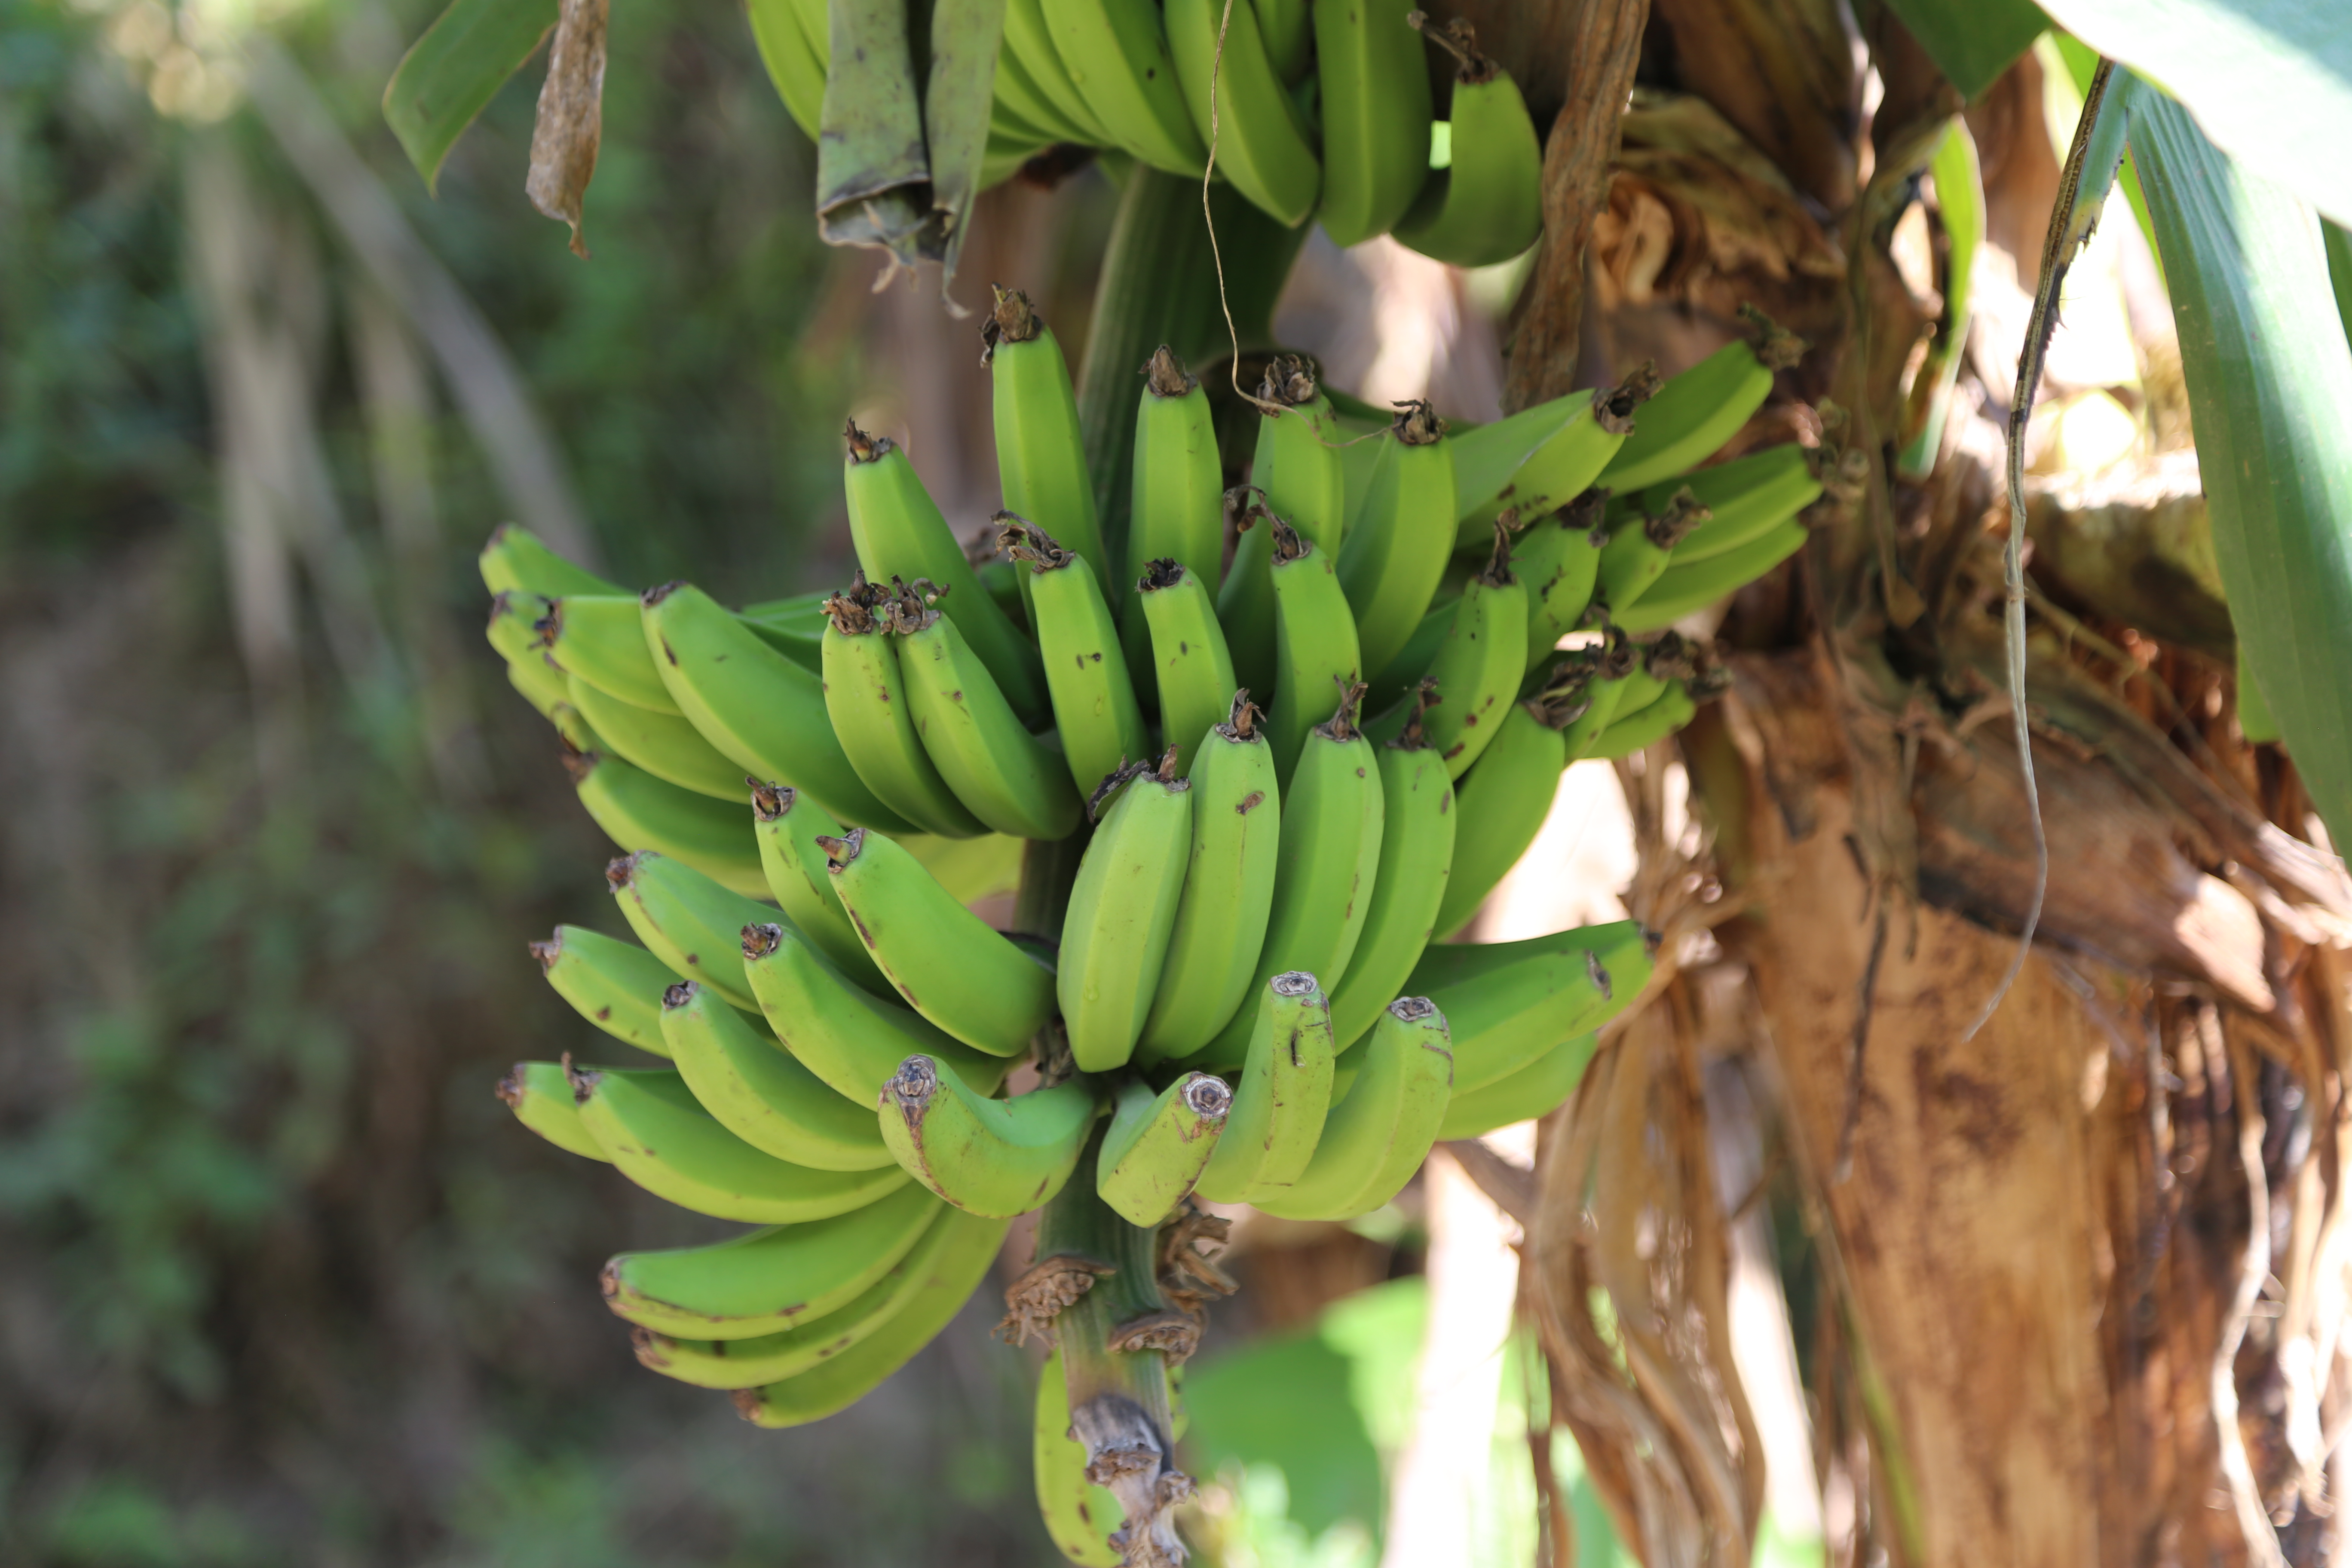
[1122, 912]
[600, 638]
[615, 985]
[1479, 666]
[1537, 1090]
[1513, 1008]
[1190, 668]
[1394, 558]
[1743, 497]
[1373, 85]
[1003, 775]
[1116, 52]
[516, 560]
[1636, 553]
[1486, 205]
[1288, 29]
[547, 688]
[1558, 561]
[667, 1143]
[1281, 1095]
[1682, 589]
[1019, 90]
[956, 1270]
[994, 1158]
[1221, 919]
[761, 1092]
[1315, 653]
[1585, 690]
[640, 813]
[1178, 508]
[540, 1094]
[764, 712]
[1157, 1145]
[687, 920]
[1298, 467]
[865, 699]
[794, 628]
[1041, 458]
[1416, 855]
[659, 743]
[1520, 460]
[772, 1357]
[1324, 866]
[513, 633]
[1500, 805]
[1631, 732]
[1691, 415]
[1376, 1137]
[779, 1277]
[851, 1040]
[1094, 707]
[945, 960]
[788, 826]
[899, 533]
[1027, 39]
[1264, 145]
[1449, 963]
[1080, 1515]
[1392, 692]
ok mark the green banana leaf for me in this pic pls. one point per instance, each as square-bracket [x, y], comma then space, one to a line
[2339, 272]
[1973, 41]
[2247, 267]
[1960, 200]
[450, 74]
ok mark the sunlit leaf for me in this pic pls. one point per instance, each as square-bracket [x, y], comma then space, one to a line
[451, 73]
[1973, 41]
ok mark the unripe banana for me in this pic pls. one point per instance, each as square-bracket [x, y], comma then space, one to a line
[540, 1094]
[1117, 54]
[1540, 457]
[1263, 146]
[1397, 546]
[777, 1278]
[615, 986]
[1315, 647]
[865, 699]
[687, 920]
[600, 638]
[516, 561]
[1003, 773]
[1636, 553]
[667, 1143]
[1018, 89]
[1743, 497]
[1585, 691]
[1486, 205]
[1501, 803]
[1122, 912]
[1288, 28]
[1511, 1003]
[996, 1158]
[659, 743]
[794, 628]
[760, 1092]
[945, 960]
[548, 690]
[1178, 507]
[1094, 707]
[1297, 466]
[1080, 1515]
[1682, 589]
[787, 826]
[1691, 415]
[1558, 559]
[1416, 855]
[1189, 665]
[1453, 963]
[1656, 721]
[1027, 39]
[1374, 91]
[1041, 458]
[513, 632]
[640, 813]
[1376, 1137]
[1156, 1146]
[1479, 666]
[1281, 1095]
[898, 532]
[852, 1040]
[1537, 1090]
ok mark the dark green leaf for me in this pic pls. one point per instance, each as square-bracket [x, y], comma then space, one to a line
[455, 69]
[1973, 41]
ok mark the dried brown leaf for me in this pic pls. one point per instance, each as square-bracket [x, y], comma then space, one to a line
[570, 121]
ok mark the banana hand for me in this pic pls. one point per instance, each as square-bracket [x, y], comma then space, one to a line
[762, 1093]
[1122, 913]
[996, 1158]
[1376, 1137]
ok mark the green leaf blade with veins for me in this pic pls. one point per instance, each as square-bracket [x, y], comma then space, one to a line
[449, 76]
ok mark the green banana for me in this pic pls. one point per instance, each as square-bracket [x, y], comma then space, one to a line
[1027, 39]
[1288, 28]
[1122, 912]
[1661, 666]
[1480, 664]
[687, 920]
[956, 1270]
[1486, 205]
[1656, 721]
[1004, 775]
[1558, 561]
[639, 811]
[540, 1094]
[1539, 457]
[794, 628]
[600, 638]
[1691, 415]
[996, 1158]
[516, 561]
[780, 1277]
[1298, 467]
[1586, 689]
[1116, 52]
[1019, 90]
[1177, 511]
[1392, 691]
[1416, 853]
[1080, 1515]
[1636, 553]
[569, 728]
[1315, 647]
[1743, 498]
[615, 985]
[1373, 85]
[1263, 144]
[1517, 1006]
[1448, 963]
[796, 69]
[545, 688]
[1041, 458]
[1094, 707]
[1500, 805]
[761, 1092]
[513, 632]
[811, 1341]
[787, 826]
[865, 699]
[670, 1146]
[761, 710]
[1682, 589]
[659, 743]
[945, 960]
[851, 1040]
[1157, 1145]
[1537, 1090]
[1281, 1097]
[1328, 853]
[1228, 872]
[898, 533]
[1396, 549]
[1190, 668]
[1377, 1135]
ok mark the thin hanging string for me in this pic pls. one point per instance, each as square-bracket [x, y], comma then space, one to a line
[1216, 252]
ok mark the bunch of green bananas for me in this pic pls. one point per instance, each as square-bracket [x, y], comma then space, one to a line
[1242, 1000]
[1315, 111]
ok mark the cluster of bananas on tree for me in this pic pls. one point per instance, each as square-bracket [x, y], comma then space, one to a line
[1304, 730]
[1315, 111]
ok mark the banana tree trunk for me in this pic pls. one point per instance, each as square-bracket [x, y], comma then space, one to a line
[2068, 1287]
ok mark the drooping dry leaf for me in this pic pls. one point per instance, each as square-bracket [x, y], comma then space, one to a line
[571, 117]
